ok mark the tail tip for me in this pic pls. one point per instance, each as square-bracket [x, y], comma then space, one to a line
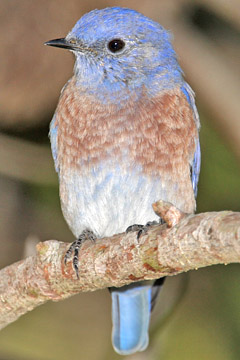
[129, 348]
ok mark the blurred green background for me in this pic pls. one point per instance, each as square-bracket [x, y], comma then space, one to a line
[206, 323]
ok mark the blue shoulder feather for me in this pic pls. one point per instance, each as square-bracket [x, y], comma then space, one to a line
[196, 161]
[53, 139]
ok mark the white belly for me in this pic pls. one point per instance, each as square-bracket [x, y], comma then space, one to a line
[108, 202]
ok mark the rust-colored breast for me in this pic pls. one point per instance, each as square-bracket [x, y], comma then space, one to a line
[156, 135]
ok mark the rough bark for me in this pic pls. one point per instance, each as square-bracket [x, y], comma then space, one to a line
[184, 243]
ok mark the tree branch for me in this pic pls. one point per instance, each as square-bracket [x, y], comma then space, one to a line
[184, 243]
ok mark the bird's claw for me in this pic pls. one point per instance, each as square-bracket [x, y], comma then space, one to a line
[75, 248]
[141, 229]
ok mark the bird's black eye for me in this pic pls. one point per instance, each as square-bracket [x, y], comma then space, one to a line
[116, 45]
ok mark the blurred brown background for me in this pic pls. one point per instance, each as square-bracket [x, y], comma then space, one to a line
[206, 324]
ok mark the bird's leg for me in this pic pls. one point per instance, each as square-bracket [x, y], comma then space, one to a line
[142, 229]
[75, 247]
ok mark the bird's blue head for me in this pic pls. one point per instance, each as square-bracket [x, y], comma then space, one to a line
[118, 49]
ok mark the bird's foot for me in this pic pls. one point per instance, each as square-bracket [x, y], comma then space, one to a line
[75, 247]
[141, 229]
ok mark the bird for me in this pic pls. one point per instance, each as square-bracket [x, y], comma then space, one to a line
[125, 134]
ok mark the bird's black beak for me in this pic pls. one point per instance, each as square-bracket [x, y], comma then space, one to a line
[62, 43]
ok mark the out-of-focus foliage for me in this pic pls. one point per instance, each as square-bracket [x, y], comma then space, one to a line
[220, 172]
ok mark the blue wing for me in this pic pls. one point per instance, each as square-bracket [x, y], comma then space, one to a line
[53, 135]
[196, 161]
[53, 138]
[195, 168]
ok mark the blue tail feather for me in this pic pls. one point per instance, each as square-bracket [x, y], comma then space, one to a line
[131, 310]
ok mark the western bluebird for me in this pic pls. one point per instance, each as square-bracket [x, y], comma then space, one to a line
[124, 135]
